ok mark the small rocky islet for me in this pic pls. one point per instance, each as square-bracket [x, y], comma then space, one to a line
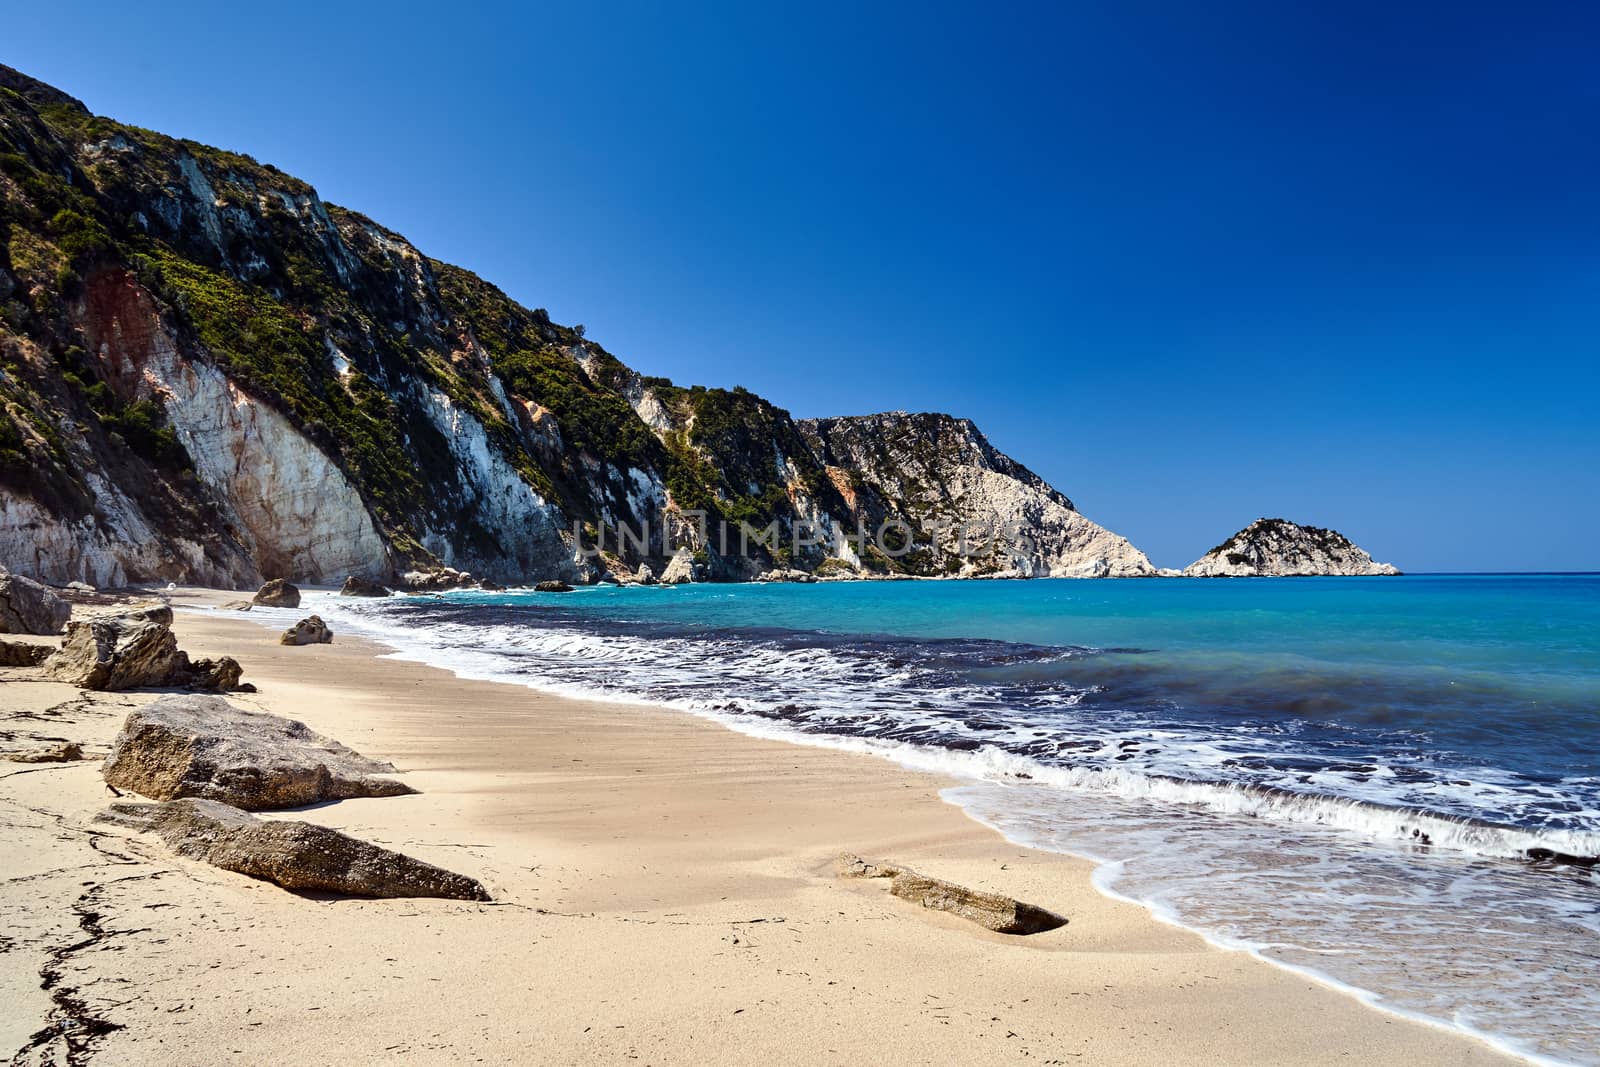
[1279, 548]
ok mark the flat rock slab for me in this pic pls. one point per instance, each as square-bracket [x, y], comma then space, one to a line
[59, 752]
[295, 855]
[202, 746]
[23, 654]
[993, 911]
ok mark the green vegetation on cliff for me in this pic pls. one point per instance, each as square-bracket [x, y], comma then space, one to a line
[537, 360]
[272, 352]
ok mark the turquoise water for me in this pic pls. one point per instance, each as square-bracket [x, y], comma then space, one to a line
[1429, 672]
[1392, 782]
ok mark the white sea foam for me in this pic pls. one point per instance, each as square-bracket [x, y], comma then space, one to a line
[1497, 952]
[811, 691]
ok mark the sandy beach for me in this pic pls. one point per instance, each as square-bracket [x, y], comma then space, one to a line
[664, 892]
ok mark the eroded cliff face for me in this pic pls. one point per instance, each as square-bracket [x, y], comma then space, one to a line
[209, 374]
[1278, 548]
[939, 472]
[287, 504]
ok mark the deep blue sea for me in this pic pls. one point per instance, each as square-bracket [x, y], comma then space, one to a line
[1391, 782]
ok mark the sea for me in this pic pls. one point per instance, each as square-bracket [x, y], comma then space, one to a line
[1391, 784]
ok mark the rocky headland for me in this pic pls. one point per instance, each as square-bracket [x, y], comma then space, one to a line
[208, 374]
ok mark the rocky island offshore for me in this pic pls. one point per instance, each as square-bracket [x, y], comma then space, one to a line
[1279, 548]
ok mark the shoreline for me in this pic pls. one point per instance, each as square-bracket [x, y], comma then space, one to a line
[1102, 882]
[652, 840]
[1460, 833]
[913, 759]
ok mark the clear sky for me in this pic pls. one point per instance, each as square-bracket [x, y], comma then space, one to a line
[1192, 262]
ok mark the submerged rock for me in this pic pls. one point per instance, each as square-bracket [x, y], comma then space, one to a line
[993, 911]
[308, 631]
[1546, 855]
[202, 746]
[355, 586]
[295, 855]
[552, 587]
[128, 653]
[27, 607]
[1279, 548]
[278, 593]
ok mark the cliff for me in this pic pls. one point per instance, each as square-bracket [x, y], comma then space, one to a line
[939, 472]
[1276, 547]
[208, 374]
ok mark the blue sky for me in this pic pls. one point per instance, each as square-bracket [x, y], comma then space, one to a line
[1193, 263]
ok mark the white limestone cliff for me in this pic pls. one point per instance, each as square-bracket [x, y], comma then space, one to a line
[298, 514]
[527, 529]
[99, 549]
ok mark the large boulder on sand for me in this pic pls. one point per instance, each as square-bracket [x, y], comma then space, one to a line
[112, 654]
[220, 675]
[992, 911]
[308, 631]
[202, 746]
[26, 607]
[277, 593]
[128, 653]
[354, 586]
[295, 855]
